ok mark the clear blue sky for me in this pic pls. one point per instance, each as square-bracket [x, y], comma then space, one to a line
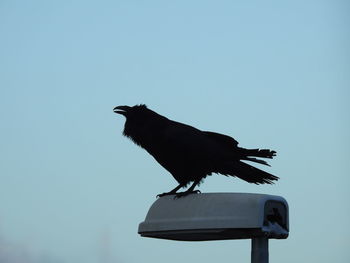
[269, 73]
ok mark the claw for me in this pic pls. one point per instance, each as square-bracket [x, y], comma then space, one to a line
[179, 195]
[164, 194]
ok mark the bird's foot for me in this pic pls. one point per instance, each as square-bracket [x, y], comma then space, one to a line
[180, 194]
[183, 194]
[165, 194]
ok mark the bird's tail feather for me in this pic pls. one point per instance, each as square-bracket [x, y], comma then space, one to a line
[249, 154]
[249, 173]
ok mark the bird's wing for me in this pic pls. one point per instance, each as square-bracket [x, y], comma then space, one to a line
[184, 141]
[221, 138]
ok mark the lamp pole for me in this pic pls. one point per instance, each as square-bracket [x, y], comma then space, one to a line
[260, 250]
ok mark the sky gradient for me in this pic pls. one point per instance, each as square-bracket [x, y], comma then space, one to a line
[270, 74]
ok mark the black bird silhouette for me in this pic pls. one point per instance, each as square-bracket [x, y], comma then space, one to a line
[190, 154]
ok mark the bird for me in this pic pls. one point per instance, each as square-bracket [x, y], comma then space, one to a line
[190, 154]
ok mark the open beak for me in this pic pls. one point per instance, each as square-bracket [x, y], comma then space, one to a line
[121, 110]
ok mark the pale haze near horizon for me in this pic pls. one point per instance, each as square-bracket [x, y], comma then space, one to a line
[271, 75]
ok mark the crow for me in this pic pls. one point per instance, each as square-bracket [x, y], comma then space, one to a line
[190, 154]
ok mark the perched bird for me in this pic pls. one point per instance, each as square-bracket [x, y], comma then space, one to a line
[190, 154]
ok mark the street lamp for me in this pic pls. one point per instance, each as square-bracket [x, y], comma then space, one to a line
[219, 216]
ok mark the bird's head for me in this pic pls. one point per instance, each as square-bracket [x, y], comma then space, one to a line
[137, 118]
[128, 112]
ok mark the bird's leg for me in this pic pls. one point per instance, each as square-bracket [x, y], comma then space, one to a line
[172, 192]
[193, 186]
[189, 190]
